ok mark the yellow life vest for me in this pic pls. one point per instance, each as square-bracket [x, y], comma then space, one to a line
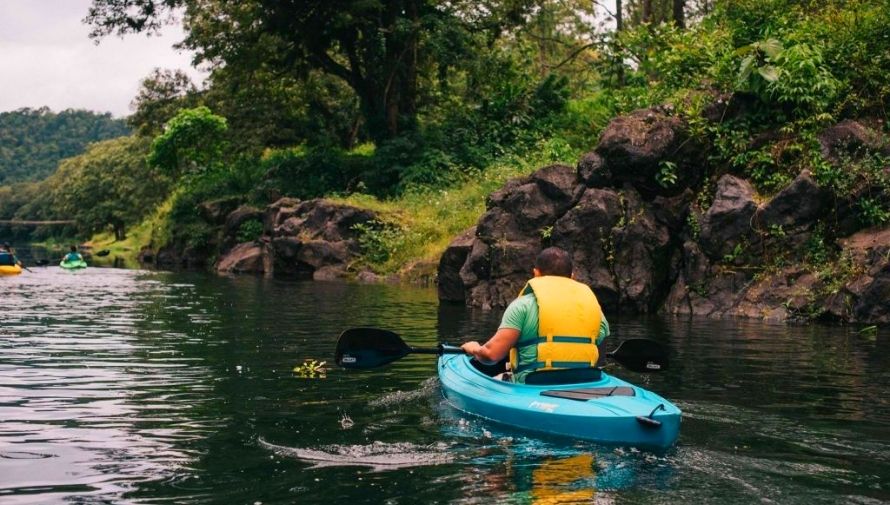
[569, 317]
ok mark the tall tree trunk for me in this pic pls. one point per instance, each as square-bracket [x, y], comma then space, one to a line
[619, 26]
[120, 232]
[647, 11]
[679, 13]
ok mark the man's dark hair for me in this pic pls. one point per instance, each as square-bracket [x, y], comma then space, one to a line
[554, 261]
[73, 248]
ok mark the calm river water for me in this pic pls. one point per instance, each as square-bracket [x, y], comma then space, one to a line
[124, 386]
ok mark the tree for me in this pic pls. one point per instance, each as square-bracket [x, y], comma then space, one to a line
[378, 48]
[192, 142]
[110, 185]
[32, 141]
[160, 96]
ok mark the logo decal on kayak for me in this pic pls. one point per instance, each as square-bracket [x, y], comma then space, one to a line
[347, 359]
[652, 366]
[546, 407]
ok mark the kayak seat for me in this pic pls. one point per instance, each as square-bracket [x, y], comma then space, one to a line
[563, 376]
[582, 395]
[490, 370]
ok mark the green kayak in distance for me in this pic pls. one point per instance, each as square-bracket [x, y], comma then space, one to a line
[73, 265]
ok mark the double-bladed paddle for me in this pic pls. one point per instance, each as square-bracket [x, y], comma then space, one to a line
[364, 348]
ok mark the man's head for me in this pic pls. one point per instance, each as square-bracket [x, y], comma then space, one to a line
[554, 261]
[6, 246]
[73, 248]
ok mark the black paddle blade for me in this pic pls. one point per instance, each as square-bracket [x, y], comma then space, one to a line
[369, 348]
[641, 355]
[103, 252]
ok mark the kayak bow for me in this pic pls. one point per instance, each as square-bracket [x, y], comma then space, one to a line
[608, 410]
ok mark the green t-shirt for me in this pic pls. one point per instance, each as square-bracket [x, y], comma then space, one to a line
[522, 315]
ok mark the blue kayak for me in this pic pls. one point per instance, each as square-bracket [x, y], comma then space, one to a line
[606, 410]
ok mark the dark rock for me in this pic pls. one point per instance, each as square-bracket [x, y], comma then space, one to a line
[867, 293]
[367, 276]
[848, 140]
[800, 204]
[321, 220]
[586, 232]
[329, 273]
[690, 292]
[215, 211]
[511, 234]
[448, 283]
[778, 297]
[238, 217]
[278, 212]
[422, 273]
[729, 106]
[642, 257]
[636, 147]
[873, 306]
[525, 206]
[477, 267]
[315, 239]
[727, 222]
[146, 255]
[592, 171]
[246, 258]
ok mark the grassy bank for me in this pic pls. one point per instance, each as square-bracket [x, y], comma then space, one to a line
[418, 225]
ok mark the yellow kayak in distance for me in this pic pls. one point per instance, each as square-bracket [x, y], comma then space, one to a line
[10, 269]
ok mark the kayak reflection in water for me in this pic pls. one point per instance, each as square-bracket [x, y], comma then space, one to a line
[554, 323]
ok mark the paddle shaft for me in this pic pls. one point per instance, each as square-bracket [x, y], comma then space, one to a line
[441, 349]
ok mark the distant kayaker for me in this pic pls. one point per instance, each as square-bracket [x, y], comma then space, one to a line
[72, 255]
[7, 257]
[556, 322]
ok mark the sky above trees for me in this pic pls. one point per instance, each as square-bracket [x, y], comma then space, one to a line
[47, 59]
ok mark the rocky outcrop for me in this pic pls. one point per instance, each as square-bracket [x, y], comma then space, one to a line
[246, 258]
[448, 283]
[649, 232]
[313, 239]
[216, 211]
[650, 150]
[727, 222]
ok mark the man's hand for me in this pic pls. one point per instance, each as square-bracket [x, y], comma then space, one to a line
[471, 348]
[495, 349]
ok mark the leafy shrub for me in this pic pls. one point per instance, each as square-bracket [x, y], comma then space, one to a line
[249, 231]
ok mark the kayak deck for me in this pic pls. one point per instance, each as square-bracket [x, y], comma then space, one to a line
[608, 410]
[73, 265]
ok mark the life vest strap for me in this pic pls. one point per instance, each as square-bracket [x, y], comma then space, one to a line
[554, 364]
[569, 340]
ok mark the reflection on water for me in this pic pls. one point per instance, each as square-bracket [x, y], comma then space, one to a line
[137, 387]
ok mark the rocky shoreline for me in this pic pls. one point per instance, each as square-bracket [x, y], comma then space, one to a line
[707, 244]
[652, 228]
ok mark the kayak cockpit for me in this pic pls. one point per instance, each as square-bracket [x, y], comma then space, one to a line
[544, 377]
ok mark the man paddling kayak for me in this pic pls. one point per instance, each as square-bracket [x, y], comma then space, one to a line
[556, 322]
[73, 256]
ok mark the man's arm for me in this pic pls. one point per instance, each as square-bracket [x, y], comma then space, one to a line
[497, 347]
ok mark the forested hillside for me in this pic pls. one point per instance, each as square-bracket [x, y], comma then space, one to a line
[33, 141]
